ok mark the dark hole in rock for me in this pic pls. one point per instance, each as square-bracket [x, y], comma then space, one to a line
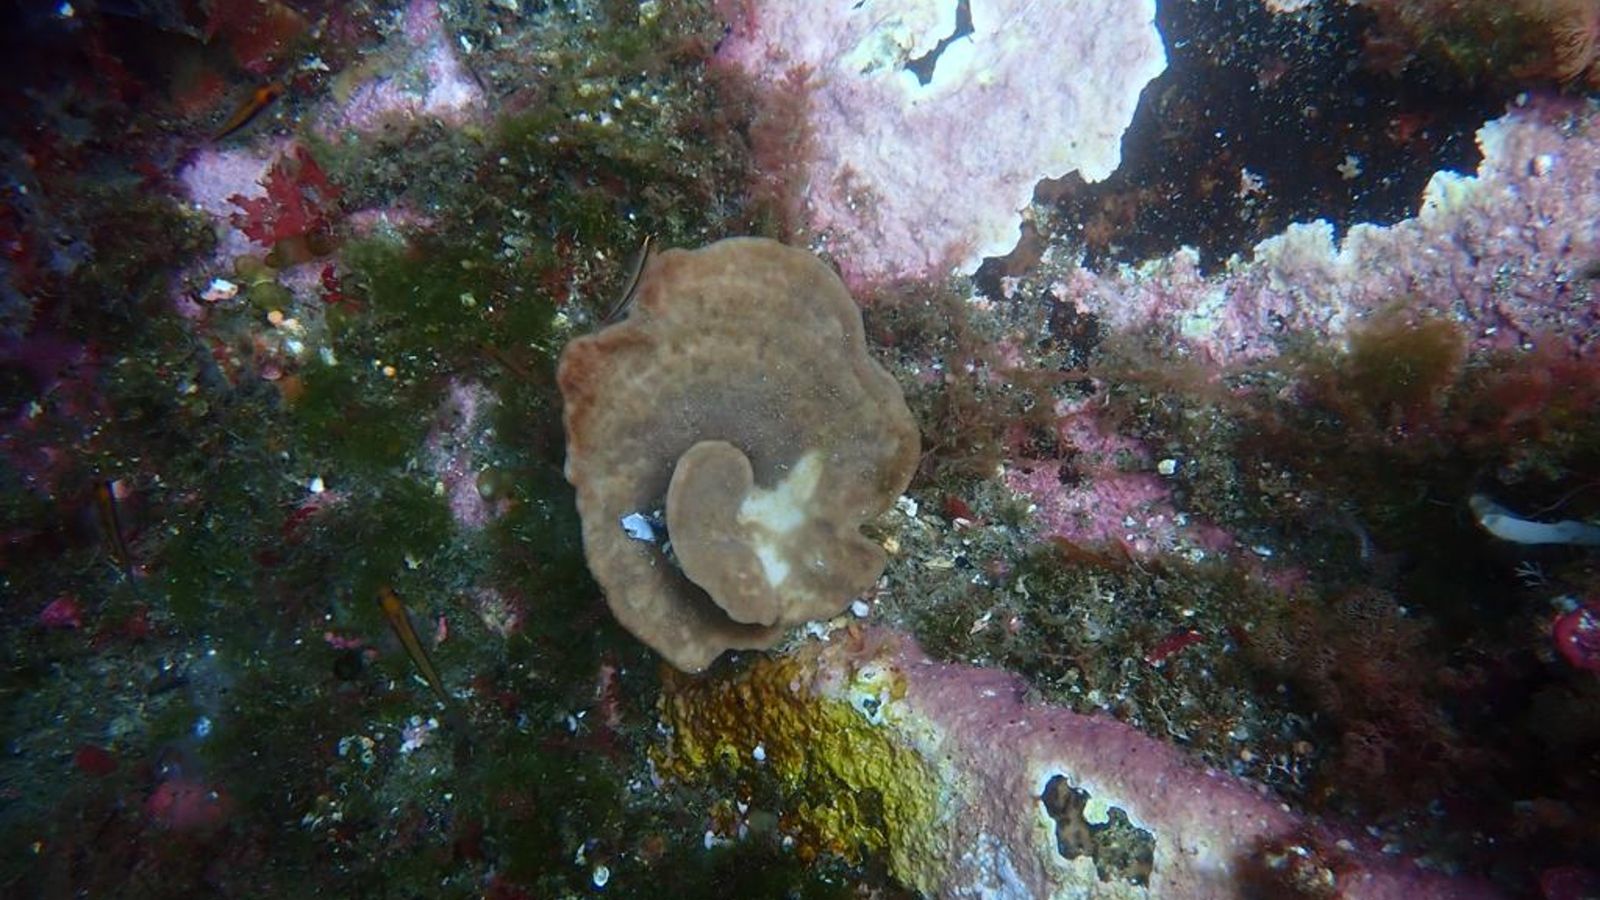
[1121, 850]
[922, 66]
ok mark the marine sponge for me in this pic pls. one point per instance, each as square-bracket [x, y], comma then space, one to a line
[851, 785]
[738, 403]
[966, 788]
[924, 139]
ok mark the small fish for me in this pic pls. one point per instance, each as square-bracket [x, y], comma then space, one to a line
[105, 502]
[259, 99]
[394, 609]
[1507, 526]
[631, 286]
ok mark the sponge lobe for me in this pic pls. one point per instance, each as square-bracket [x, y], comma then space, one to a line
[739, 396]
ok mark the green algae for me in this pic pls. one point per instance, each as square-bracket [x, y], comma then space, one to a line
[1490, 43]
[354, 417]
[532, 219]
[131, 238]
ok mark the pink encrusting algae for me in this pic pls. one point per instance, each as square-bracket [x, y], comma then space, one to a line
[421, 79]
[911, 176]
[454, 451]
[1502, 251]
[1002, 761]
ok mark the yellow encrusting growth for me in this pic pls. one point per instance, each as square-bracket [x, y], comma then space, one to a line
[858, 786]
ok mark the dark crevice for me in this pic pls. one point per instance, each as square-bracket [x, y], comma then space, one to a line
[1259, 121]
[923, 66]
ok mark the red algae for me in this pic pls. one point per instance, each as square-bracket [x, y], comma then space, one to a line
[187, 805]
[94, 760]
[62, 613]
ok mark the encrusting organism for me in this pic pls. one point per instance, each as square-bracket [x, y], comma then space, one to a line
[737, 407]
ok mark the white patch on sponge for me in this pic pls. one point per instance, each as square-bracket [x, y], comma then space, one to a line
[779, 512]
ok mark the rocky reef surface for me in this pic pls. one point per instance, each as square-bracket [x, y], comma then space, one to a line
[1248, 547]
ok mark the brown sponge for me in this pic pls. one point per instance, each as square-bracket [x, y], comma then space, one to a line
[736, 410]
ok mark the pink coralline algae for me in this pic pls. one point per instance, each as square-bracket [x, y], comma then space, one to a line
[500, 613]
[214, 179]
[415, 75]
[1502, 251]
[455, 449]
[906, 179]
[420, 77]
[1108, 493]
[1211, 834]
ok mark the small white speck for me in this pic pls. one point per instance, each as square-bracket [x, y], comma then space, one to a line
[219, 289]
[981, 623]
[1250, 183]
[818, 630]
[1167, 467]
[638, 527]
[759, 754]
[202, 727]
[315, 485]
[860, 608]
[600, 876]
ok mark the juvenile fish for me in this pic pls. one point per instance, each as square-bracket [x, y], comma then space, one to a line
[394, 609]
[105, 503]
[259, 99]
[630, 288]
